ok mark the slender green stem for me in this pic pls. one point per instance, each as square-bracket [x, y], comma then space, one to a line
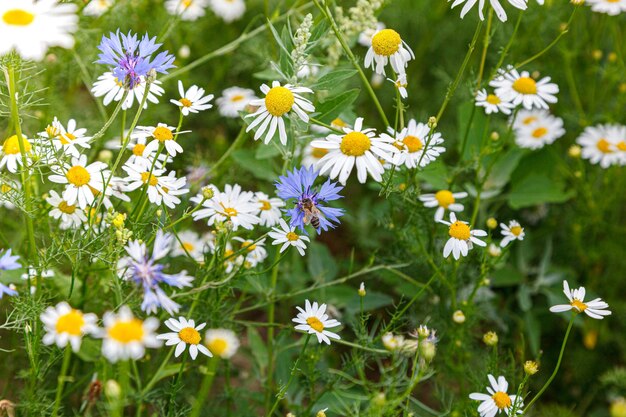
[271, 308]
[556, 368]
[486, 40]
[61, 380]
[294, 371]
[205, 387]
[176, 382]
[111, 118]
[505, 51]
[236, 143]
[155, 377]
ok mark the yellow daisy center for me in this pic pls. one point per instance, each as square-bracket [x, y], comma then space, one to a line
[338, 123]
[493, 99]
[67, 138]
[237, 98]
[525, 85]
[517, 230]
[413, 143]
[71, 323]
[189, 335]
[265, 205]
[162, 134]
[292, 237]
[5, 188]
[318, 153]
[501, 399]
[218, 346]
[127, 331]
[386, 42]
[188, 246]
[230, 212]
[604, 146]
[228, 253]
[18, 17]
[578, 305]
[148, 178]
[248, 245]
[444, 198]
[355, 144]
[528, 120]
[622, 146]
[66, 208]
[52, 131]
[138, 149]
[78, 176]
[315, 324]
[459, 230]
[539, 132]
[187, 3]
[11, 146]
[279, 101]
[185, 102]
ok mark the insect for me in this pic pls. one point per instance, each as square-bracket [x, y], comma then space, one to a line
[311, 213]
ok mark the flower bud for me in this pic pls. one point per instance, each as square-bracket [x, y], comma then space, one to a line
[494, 250]
[321, 413]
[428, 350]
[184, 52]
[105, 156]
[490, 338]
[458, 317]
[362, 291]
[208, 192]
[530, 367]
[432, 122]
[492, 223]
[112, 389]
[574, 151]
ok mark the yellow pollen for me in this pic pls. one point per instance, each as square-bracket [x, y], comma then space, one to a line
[525, 85]
[185, 102]
[71, 323]
[502, 400]
[604, 146]
[355, 144]
[188, 246]
[148, 178]
[78, 176]
[493, 99]
[315, 324]
[413, 143]
[528, 120]
[189, 335]
[578, 305]
[66, 208]
[622, 146]
[138, 149]
[386, 42]
[318, 153]
[459, 230]
[18, 17]
[539, 132]
[248, 245]
[127, 331]
[5, 189]
[279, 101]
[187, 3]
[517, 230]
[292, 237]
[217, 346]
[52, 131]
[444, 198]
[230, 212]
[237, 98]
[162, 134]
[265, 205]
[11, 146]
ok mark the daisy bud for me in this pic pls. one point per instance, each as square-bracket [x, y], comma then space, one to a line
[490, 338]
[574, 151]
[563, 26]
[485, 282]
[492, 223]
[494, 136]
[428, 350]
[379, 399]
[432, 122]
[531, 367]
[423, 332]
[118, 220]
[494, 250]
[105, 156]
[458, 317]
[184, 52]
[362, 291]
[612, 57]
[208, 192]
[51, 58]
[321, 413]
[618, 408]
[596, 54]
[159, 212]
[112, 389]
[290, 415]
[402, 186]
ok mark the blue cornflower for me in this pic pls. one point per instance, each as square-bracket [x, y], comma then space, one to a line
[143, 269]
[131, 59]
[298, 186]
[8, 263]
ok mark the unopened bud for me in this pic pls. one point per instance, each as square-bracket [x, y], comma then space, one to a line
[494, 136]
[618, 408]
[184, 52]
[105, 156]
[112, 389]
[492, 223]
[362, 291]
[428, 350]
[574, 151]
[494, 250]
[531, 367]
[490, 338]
[458, 317]
[208, 192]
[321, 413]
[432, 122]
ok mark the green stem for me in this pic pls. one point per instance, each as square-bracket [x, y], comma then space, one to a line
[271, 308]
[238, 141]
[556, 368]
[205, 387]
[176, 382]
[155, 377]
[294, 371]
[61, 380]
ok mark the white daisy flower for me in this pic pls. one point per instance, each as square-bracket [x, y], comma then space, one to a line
[411, 144]
[189, 243]
[358, 147]
[127, 337]
[286, 236]
[113, 89]
[312, 155]
[161, 188]
[11, 155]
[443, 200]
[365, 37]
[600, 144]
[388, 47]
[66, 140]
[497, 7]
[97, 7]
[270, 209]
[192, 100]
[498, 400]
[83, 181]
[392, 342]
[231, 261]
[189, 10]
[230, 205]
[139, 156]
[462, 238]
[526, 118]
[493, 103]
[401, 84]
[64, 324]
[161, 134]
[186, 333]
[596, 308]
[222, 342]
[610, 7]
[31, 27]
[512, 231]
[71, 217]
[543, 130]
[520, 88]
[228, 10]
[9, 193]
[255, 251]
[279, 101]
[234, 100]
[314, 320]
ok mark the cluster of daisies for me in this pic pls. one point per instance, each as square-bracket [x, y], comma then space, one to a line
[188, 10]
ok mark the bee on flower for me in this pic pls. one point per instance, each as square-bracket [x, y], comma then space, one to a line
[520, 88]
[388, 48]
[64, 324]
[462, 237]
[127, 337]
[443, 200]
[596, 308]
[312, 319]
[193, 100]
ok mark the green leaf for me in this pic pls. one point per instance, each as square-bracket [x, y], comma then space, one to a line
[258, 348]
[267, 151]
[506, 276]
[320, 263]
[333, 106]
[435, 174]
[533, 331]
[476, 131]
[504, 167]
[524, 298]
[537, 189]
[260, 168]
[333, 79]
